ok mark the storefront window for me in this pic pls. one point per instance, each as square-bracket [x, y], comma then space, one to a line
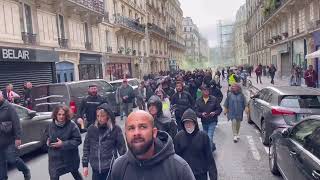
[90, 71]
[117, 71]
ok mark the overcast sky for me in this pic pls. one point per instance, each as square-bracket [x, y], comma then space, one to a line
[206, 13]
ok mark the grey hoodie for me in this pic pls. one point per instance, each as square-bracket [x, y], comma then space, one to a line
[165, 164]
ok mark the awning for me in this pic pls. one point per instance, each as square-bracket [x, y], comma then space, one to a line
[313, 55]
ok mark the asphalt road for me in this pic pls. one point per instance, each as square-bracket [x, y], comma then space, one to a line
[245, 160]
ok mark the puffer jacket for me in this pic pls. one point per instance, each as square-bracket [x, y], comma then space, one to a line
[163, 123]
[195, 148]
[165, 164]
[10, 128]
[65, 159]
[102, 144]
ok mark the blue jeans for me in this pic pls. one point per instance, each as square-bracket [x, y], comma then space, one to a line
[209, 128]
[10, 155]
[100, 176]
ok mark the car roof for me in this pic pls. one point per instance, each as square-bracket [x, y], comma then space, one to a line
[295, 90]
[121, 80]
[69, 83]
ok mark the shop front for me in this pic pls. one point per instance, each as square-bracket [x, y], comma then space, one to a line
[118, 67]
[20, 65]
[90, 66]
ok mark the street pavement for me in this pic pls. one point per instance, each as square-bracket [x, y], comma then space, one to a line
[245, 160]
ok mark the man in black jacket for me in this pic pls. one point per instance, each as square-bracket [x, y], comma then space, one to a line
[151, 154]
[181, 101]
[208, 109]
[10, 140]
[162, 122]
[193, 146]
[125, 96]
[88, 107]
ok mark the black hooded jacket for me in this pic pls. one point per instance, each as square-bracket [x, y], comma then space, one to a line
[165, 164]
[10, 128]
[162, 122]
[195, 148]
[102, 144]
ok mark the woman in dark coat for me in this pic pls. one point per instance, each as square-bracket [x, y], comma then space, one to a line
[103, 142]
[63, 139]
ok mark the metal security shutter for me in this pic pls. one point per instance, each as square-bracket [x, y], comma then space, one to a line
[17, 73]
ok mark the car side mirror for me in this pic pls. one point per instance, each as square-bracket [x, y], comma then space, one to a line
[32, 114]
[286, 132]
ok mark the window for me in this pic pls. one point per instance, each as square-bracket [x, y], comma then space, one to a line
[27, 18]
[107, 39]
[22, 113]
[60, 26]
[313, 142]
[305, 101]
[86, 31]
[303, 132]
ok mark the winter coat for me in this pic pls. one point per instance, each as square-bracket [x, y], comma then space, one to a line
[169, 91]
[89, 106]
[10, 128]
[216, 92]
[195, 148]
[258, 71]
[182, 101]
[193, 90]
[126, 91]
[165, 164]
[163, 123]
[102, 144]
[212, 105]
[235, 105]
[272, 71]
[311, 78]
[65, 159]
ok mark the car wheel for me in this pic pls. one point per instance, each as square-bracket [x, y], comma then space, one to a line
[264, 134]
[273, 160]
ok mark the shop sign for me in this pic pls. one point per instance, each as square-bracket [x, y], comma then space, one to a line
[16, 54]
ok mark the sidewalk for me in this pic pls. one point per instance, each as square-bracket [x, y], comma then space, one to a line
[267, 82]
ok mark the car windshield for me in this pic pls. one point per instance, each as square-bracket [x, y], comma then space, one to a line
[302, 101]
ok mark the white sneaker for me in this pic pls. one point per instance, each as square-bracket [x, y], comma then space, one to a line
[235, 139]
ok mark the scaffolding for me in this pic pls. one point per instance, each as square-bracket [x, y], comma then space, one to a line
[226, 43]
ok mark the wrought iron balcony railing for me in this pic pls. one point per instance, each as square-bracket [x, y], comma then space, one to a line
[29, 38]
[96, 5]
[154, 28]
[63, 42]
[129, 23]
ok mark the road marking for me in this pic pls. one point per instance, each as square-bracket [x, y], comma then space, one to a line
[266, 149]
[260, 139]
[253, 148]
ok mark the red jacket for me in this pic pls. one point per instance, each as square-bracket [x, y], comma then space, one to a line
[258, 71]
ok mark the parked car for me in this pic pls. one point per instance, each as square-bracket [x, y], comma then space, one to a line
[33, 127]
[46, 97]
[295, 151]
[276, 107]
[133, 82]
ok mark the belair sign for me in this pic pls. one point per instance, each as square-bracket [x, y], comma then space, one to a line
[11, 54]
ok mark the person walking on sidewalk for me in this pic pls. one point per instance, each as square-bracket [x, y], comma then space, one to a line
[125, 96]
[310, 77]
[295, 79]
[104, 140]
[151, 153]
[63, 138]
[234, 106]
[272, 72]
[258, 72]
[193, 146]
[208, 108]
[10, 140]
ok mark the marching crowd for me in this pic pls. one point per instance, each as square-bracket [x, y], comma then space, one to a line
[162, 140]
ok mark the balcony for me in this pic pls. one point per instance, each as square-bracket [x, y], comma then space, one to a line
[88, 46]
[156, 30]
[121, 50]
[29, 38]
[272, 7]
[129, 26]
[177, 45]
[109, 49]
[63, 43]
[96, 6]
[134, 52]
[128, 51]
[172, 29]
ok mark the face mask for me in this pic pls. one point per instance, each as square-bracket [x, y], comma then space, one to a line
[190, 130]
